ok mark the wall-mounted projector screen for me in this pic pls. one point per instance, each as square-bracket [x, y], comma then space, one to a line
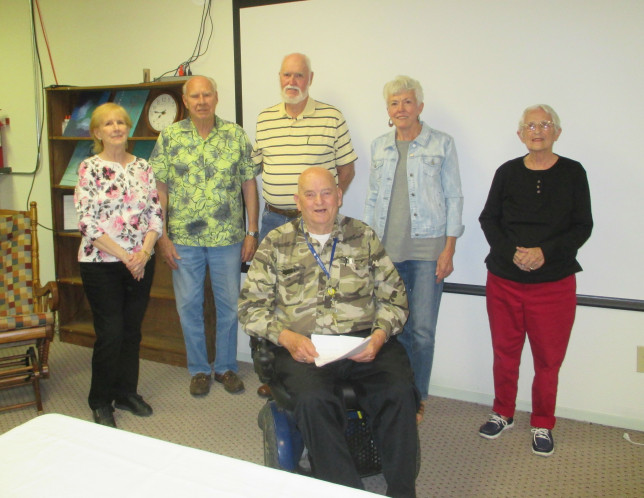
[480, 64]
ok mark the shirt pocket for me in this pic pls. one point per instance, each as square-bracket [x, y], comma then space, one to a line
[377, 167]
[431, 165]
[321, 140]
[430, 182]
[290, 282]
[323, 147]
[354, 277]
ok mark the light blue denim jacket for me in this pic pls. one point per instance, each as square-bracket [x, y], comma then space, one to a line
[433, 179]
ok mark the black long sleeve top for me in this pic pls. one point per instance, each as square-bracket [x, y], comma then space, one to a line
[549, 209]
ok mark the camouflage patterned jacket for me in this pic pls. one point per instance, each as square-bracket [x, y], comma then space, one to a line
[287, 289]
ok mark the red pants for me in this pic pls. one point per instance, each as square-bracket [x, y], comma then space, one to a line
[546, 313]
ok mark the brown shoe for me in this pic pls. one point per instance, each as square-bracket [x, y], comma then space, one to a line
[264, 391]
[231, 381]
[200, 384]
[421, 413]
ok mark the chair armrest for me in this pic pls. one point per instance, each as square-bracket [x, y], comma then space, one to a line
[49, 290]
[263, 359]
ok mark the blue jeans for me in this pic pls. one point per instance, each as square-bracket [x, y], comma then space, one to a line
[271, 220]
[224, 264]
[418, 336]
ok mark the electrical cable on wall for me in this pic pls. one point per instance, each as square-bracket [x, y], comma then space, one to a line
[39, 98]
[44, 34]
[183, 69]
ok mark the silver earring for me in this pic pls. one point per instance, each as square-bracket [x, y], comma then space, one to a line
[391, 123]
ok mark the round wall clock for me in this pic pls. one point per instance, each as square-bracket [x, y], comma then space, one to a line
[162, 110]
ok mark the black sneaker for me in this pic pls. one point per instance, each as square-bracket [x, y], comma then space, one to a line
[542, 442]
[494, 426]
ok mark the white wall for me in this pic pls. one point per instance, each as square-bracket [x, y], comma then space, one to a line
[598, 382]
[20, 138]
[481, 64]
[100, 44]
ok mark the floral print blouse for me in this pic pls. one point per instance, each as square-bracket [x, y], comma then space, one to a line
[121, 202]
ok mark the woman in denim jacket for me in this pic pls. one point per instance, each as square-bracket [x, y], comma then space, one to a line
[414, 203]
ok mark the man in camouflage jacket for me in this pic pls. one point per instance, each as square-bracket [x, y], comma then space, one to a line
[325, 273]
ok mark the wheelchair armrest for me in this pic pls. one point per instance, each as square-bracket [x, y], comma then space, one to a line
[263, 353]
[263, 359]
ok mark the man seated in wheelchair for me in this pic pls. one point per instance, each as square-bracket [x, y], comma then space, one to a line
[325, 273]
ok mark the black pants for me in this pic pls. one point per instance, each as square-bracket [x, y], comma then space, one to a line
[118, 304]
[386, 392]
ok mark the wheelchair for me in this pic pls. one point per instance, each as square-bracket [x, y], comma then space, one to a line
[284, 447]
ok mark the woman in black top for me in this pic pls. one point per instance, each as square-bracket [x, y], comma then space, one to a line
[536, 217]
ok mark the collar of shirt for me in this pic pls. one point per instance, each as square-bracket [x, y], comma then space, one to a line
[308, 110]
[422, 139]
[336, 231]
[189, 127]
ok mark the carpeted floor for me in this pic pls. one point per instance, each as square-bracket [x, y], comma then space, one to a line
[589, 459]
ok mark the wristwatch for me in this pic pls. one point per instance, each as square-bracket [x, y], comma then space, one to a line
[253, 234]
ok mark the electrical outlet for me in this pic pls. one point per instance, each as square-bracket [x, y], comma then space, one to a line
[640, 359]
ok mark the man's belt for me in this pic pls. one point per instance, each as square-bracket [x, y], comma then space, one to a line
[289, 213]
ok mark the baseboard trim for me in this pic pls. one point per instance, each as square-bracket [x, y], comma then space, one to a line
[245, 357]
[522, 405]
[562, 411]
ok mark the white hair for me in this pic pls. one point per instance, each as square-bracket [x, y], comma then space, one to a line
[402, 84]
[212, 82]
[545, 108]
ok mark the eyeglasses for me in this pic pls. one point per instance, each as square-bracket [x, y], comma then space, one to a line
[532, 126]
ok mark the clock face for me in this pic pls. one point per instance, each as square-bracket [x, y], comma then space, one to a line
[162, 111]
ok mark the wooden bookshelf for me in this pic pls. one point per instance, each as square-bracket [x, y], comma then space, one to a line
[162, 338]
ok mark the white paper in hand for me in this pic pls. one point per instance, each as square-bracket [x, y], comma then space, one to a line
[337, 347]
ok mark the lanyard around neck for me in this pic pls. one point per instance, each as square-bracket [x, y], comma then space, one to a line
[316, 255]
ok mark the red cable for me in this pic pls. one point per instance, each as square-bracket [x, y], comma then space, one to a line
[42, 26]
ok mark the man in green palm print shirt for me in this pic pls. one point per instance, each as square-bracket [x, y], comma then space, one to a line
[202, 165]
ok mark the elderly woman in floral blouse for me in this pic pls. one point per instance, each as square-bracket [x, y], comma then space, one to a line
[120, 219]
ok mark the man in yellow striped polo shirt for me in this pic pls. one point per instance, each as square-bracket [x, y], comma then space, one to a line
[292, 136]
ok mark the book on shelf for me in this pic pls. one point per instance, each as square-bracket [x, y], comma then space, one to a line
[82, 151]
[143, 148]
[78, 125]
[70, 215]
[133, 102]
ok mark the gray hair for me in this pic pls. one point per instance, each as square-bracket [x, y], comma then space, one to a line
[307, 61]
[545, 108]
[212, 82]
[402, 84]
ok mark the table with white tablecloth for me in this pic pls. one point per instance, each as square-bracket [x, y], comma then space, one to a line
[58, 456]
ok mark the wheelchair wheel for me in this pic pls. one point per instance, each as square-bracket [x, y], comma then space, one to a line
[283, 443]
[271, 456]
[266, 423]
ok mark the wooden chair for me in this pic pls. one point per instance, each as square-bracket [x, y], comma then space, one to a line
[26, 307]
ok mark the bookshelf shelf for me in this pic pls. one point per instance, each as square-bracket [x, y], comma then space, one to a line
[162, 338]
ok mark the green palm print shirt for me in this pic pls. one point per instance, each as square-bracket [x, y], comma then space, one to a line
[204, 178]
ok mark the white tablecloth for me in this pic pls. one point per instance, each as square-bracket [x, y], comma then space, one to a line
[59, 456]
